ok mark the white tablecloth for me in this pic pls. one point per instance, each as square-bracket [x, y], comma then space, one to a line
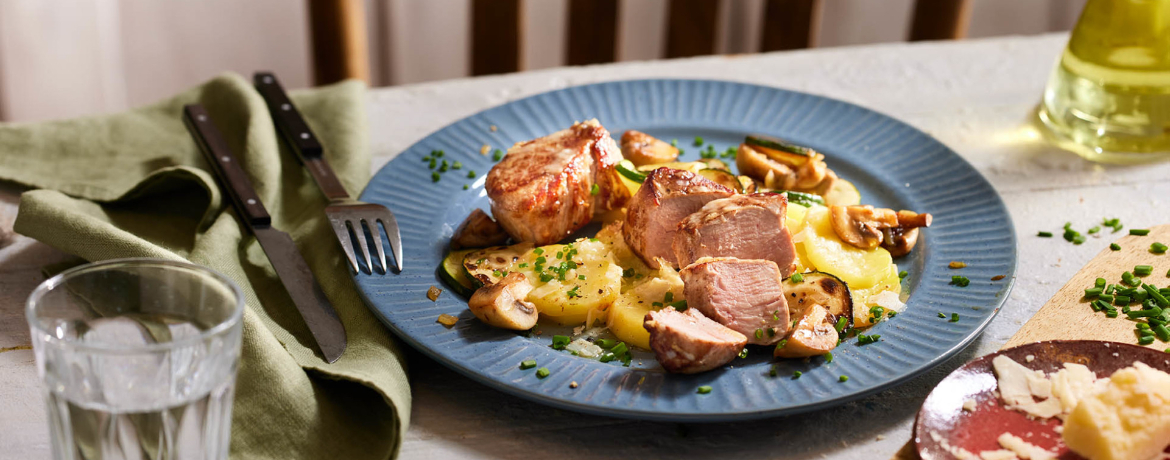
[976, 96]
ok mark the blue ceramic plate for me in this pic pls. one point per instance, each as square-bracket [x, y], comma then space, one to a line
[892, 164]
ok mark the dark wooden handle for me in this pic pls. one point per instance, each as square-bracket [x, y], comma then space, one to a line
[297, 134]
[227, 167]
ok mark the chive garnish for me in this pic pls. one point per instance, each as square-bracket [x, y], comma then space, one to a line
[595, 190]
[1139, 231]
[435, 177]
[1146, 340]
[796, 278]
[497, 155]
[1100, 282]
[465, 186]
[797, 374]
[903, 274]
[1093, 292]
[542, 373]
[941, 315]
[960, 281]
[527, 364]
[559, 342]
[471, 174]
[456, 165]
[1115, 246]
[698, 141]
[954, 317]
[829, 357]
[843, 378]
[1143, 270]
[1158, 248]
[1044, 234]
[704, 389]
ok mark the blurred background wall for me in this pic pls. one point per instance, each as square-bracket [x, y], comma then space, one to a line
[77, 57]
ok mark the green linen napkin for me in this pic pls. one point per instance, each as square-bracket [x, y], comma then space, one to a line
[134, 184]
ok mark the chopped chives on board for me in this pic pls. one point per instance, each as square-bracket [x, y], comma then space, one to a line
[1143, 270]
[1158, 248]
[1115, 246]
[1044, 234]
[1139, 231]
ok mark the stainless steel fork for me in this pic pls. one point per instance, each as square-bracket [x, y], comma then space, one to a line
[352, 220]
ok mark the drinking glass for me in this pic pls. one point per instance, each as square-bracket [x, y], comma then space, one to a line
[138, 359]
[1108, 98]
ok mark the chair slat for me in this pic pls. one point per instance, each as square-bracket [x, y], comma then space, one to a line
[790, 24]
[496, 34]
[940, 19]
[592, 32]
[338, 34]
[691, 28]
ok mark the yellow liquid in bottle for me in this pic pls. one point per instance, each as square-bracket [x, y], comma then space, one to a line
[1109, 98]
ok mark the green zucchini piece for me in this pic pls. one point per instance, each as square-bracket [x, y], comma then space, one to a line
[843, 193]
[801, 198]
[820, 288]
[747, 184]
[490, 265]
[453, 274]
[627, 169]
[723, 178]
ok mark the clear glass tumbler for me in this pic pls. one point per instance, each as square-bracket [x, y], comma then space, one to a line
[138, 359]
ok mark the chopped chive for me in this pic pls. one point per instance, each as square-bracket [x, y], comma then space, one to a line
[595, 190]
[1158, 248]
[1162, 333]
[456, 165]
[1121, 300]
[698, 141]
[903, 274]
[1094, 230]
[538, 251]
[941, 315]
[704, 389]
[960, 281]
[438, 153]
[797, 374]
[1146, 340]
[434, 162]
[759, 333]
[796, 278]
[1156, 295]
[497, 155]
[445, 166]
[435, 177]
[620, 348]
[559, 342]
[471, 174]
[1100, 282]
[1044, 234]
[954, 317]
[1115, 246]
[843, 378]
[1105, 297]
[1093, 292]
[1139, 231]
[829, 357]
[680, 305]
[542, 373]
[773, 372]
[465, 186]
[841, 322]
[674, 142]
[1111, 313]
[1143, 270]
[527, 364]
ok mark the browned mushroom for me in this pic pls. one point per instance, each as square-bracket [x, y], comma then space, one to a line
[810, 174]
[812, 336]
[502, 304]
[901, 239]
[861, 226]
[755, 164]
[478, 230]
[643, 149]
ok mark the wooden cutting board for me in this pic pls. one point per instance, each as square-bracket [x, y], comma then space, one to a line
[1067, 315]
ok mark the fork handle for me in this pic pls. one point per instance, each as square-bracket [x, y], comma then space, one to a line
[297, 134]
[231, 174]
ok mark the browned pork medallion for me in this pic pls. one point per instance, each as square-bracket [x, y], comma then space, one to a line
[547, 188]
[741, 226]
[689, 343]
[665, 199]
[744, 295]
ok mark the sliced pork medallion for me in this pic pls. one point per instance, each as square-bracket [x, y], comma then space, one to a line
[745, 295]
[665, 199]
[547, 188]
[740, 226]
[689, 343]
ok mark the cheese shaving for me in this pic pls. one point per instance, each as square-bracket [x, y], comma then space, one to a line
[998, 455]
[1043, 396]
[1024, 449]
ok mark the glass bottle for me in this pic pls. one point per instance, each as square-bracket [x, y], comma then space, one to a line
[1108, 99]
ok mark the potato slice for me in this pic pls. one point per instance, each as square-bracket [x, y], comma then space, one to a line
[861, 314]
[625, 320]
[859, 268]
[570, 300]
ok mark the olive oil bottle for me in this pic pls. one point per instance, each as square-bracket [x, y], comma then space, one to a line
[1108, 99]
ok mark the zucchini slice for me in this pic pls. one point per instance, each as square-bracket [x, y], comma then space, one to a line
[807, 200]
[776, 149]
[724, 178]
[490, 265]
[843, 193]
[454, 276]
[715, 163]
[627, 169]
[820, 288]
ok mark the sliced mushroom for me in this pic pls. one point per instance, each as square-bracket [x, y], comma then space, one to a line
[811, 174]
[478, 230]
[643, 149]
[812, 336]
[901, 239]
[502, 304]
[861, 226]
[753, 163]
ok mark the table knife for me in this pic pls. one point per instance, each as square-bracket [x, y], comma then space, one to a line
[290, 266]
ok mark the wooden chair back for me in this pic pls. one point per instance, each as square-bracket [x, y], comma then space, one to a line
[340, 48]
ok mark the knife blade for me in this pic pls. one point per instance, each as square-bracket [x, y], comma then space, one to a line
[290, 266]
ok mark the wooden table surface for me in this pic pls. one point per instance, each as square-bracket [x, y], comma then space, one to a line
[977, 96]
